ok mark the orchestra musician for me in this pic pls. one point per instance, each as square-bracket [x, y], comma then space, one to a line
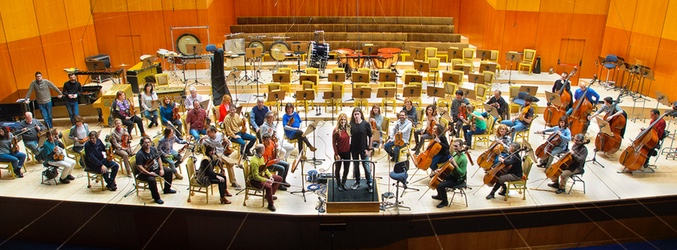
[167, 114]
[122, 110]
[480, 124]
[410, 111]
[96, 163]
[443, 155]
[562, 129]
[560, 83]
[72, 89]
[456, 104]
[149, 165]
[17, 158]
[503, 137]
[148, 97]
[260, 177]
[52, 148]
[591, 94]
[190, 99]
[293, 130]
[257, 116]
[120, 140]
[360, 148]
[612, 109]
[31, 129]
[514, 165]
[197, 120]
[340, 141]
[500, 104]
[217, 141]
[43, 96]
[206, 175]
[79, 133]
[403, 125]
[579, 153]
[233, 129]
[420, 135]
[268, 128]
[522, 122]
[457, 176]
[167, 153]
[224, 108]
[660, 131]
[376, 117]
[273, 163]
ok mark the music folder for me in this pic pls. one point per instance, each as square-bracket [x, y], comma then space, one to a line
[422, 66]
[476, 78]
[386, 92]
[362, 93]
[491, 110]
[468, 93]
[553, 98]
[603, 126]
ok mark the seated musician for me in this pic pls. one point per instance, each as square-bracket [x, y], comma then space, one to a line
[579, 153]
[149, 165]
[260, 177]
[148, 97]
[53, 149]
[340, 141]
[457, 175]
[293, 130]
[224, 108]
[217, 141]
[7, 154]
[480, 124]
[522, 122]
[410, 111]
[206, 175]
[376, 117]
[500, 104]
[120, 140]
[502, 137]
[167, 153]
[31, 129]
[612, 110]
[95, 162]
[360, 148]
[233, 129]
[257, 116]
[268, 128]
[122, 110]
[455, 107]
[197, 120]
[190, 99]
[443, 155]
[273, 163]
[591, 94]
[79, 134]
[514, 165]
[659, 127]
[167, 115]
[425, 133]
[403, 125]
[562, 129]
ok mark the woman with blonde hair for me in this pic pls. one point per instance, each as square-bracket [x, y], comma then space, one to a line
[341, 143]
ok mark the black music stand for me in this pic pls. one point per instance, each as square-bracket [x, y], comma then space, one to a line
[476, 78]
[361, 93]
[254, 54]
[332, 96]
[299, 48]
[512, 57]
[386, 92]
[603, 129]
[277, 96]
[233, 76]
[96, 66]
[194, 49]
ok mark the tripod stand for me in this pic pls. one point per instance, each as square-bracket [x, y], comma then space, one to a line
[303, 187]
[254, 54]
[513, 57]
[233, 76]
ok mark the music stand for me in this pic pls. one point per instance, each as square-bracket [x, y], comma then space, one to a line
[412, 78]
[256, 54]
[281, 78]
[333, 96]
[359, 77]
[410, 91]
[96, 66]
[468, 93]
[417, 51]
[531, 90]
[603, 128]
[483, 54]
[276, 96]
[361, 93]
[386, 92]
[435, 92]
[662, 98]
[194, 49]
[512, 57]
[299, 48]
[387, 76]
[487, 66]
[232, 76]
[462, 67]
[476, 78]
[422, 66]
[491, 110]
[337, 77]
[455, 53]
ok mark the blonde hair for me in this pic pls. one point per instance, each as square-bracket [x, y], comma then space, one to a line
[498, 129]
[338, 124]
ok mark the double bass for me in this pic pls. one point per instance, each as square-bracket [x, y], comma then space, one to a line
[564, 163]
[486, 159]
[578, 120]
[552, 113]
[634, 156]
[611, 143]
[443, 172]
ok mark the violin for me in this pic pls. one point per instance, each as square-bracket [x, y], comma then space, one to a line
[175, 113]
[523, 113]
[109, 151]
[244, 126]
[611, 143]
[486, 159]
[463, 112]
[491, 176]
[582, 108]
[423, 160]
[552, 113]
[125, 140]
[431, 126]
[399, 141]
[290, 122]
[15, 144]
[226, 147]
[634, 156]
[546, 148]
[132, 111]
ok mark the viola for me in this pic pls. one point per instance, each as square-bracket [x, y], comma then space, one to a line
[634, 156]
[125, 140]
[578, 119]
[423, 160]
[399, 142]
[15, 144]
[175, 113]
[109, 151]
[552, 113]
[486, 159]
[546, 148]
[244, 126]
[132, 111]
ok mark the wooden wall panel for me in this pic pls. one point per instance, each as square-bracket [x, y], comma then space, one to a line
[8, 85]
[346, 8]
[221, 14]
[27, 57]
[18, 19]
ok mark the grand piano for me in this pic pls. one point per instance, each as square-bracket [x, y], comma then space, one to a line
[10, 110]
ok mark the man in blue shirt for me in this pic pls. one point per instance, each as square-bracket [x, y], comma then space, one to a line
[591, 94]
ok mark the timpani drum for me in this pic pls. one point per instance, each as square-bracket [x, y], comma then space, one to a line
[383, 61]
[341, 56]
[355, 61]
[278, 50]
[394, 51]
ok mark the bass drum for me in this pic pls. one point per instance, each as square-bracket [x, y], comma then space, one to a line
[278, 50]
[256, 44]
[319, 53]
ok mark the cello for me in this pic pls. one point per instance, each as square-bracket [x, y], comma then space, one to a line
[552, 113]
[486, 159]
[634, 156]
[578, 121]
[546, 148]
[564, 163]
[611, 143]
[491, 176]
[442, 173]
[423, 160]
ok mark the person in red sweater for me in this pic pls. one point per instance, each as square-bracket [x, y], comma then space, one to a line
[341, 143]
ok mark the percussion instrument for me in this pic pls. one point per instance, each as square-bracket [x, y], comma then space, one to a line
[318, 55]
[355, 60]
[393, 51]
[384, 61]
[278, 50]
[256, 42]
[341, 56]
